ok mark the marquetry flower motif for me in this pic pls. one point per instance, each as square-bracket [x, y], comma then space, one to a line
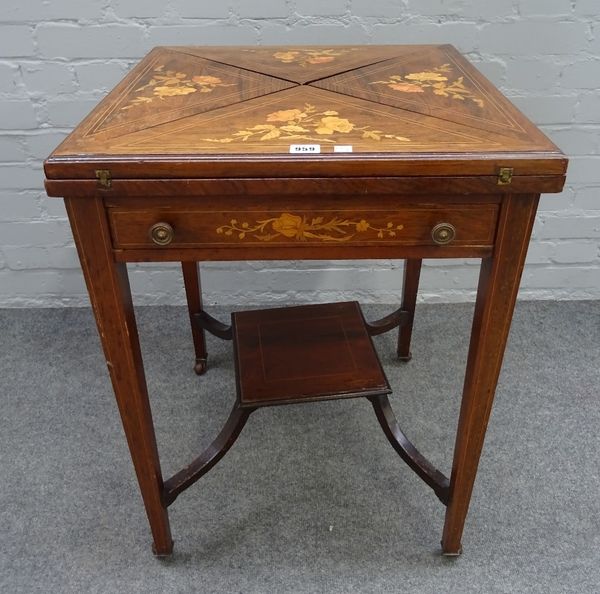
[438, 80]
[308, 57]
[286, 115]
[306, 124]
[406, 87]
[301, 228]
[169, 83]
[331, 124]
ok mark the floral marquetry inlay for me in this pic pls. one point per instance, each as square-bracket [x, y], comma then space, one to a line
[310, 57]
[170, 83]
[302, 228]
[438, 80]
[306, 124]
[313, 111]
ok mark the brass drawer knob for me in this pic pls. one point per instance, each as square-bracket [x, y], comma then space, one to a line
[161, 233]
[443, 233]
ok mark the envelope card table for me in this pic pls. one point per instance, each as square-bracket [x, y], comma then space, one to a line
[303, 153]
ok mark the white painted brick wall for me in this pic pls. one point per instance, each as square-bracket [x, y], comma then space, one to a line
[58, 58]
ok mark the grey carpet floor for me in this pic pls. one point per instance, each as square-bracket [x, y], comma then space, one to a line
[311, 498]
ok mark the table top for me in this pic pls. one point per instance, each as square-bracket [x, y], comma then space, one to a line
[194, 112]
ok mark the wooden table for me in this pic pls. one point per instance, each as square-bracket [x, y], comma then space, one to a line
[302, 153]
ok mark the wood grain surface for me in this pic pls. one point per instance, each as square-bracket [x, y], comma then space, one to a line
[303, 222]
[188, 111]
[305, 353]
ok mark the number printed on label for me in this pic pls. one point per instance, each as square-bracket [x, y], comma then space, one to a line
[305, 149]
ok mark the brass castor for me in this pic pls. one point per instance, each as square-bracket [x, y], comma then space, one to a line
[200, 367]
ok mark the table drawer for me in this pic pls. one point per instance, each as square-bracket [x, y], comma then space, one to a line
[470, 224]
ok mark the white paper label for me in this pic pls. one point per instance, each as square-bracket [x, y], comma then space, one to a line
[342, 148]
[305, 149]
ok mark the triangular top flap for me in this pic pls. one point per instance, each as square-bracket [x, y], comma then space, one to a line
[305, 115]
[169, 85]
[437, 81]
[302, 64]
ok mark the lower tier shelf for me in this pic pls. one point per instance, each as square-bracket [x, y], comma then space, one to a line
[305, 353]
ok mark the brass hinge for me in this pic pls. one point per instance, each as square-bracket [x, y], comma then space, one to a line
[505, 176]
[104, 178]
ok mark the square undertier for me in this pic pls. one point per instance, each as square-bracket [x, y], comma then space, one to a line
[305, 353]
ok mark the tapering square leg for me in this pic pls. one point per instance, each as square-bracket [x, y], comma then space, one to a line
[496, 296]
[193, 293]
[108, 287]
[410, 288]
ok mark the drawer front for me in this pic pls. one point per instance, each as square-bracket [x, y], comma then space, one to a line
[160, 228]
